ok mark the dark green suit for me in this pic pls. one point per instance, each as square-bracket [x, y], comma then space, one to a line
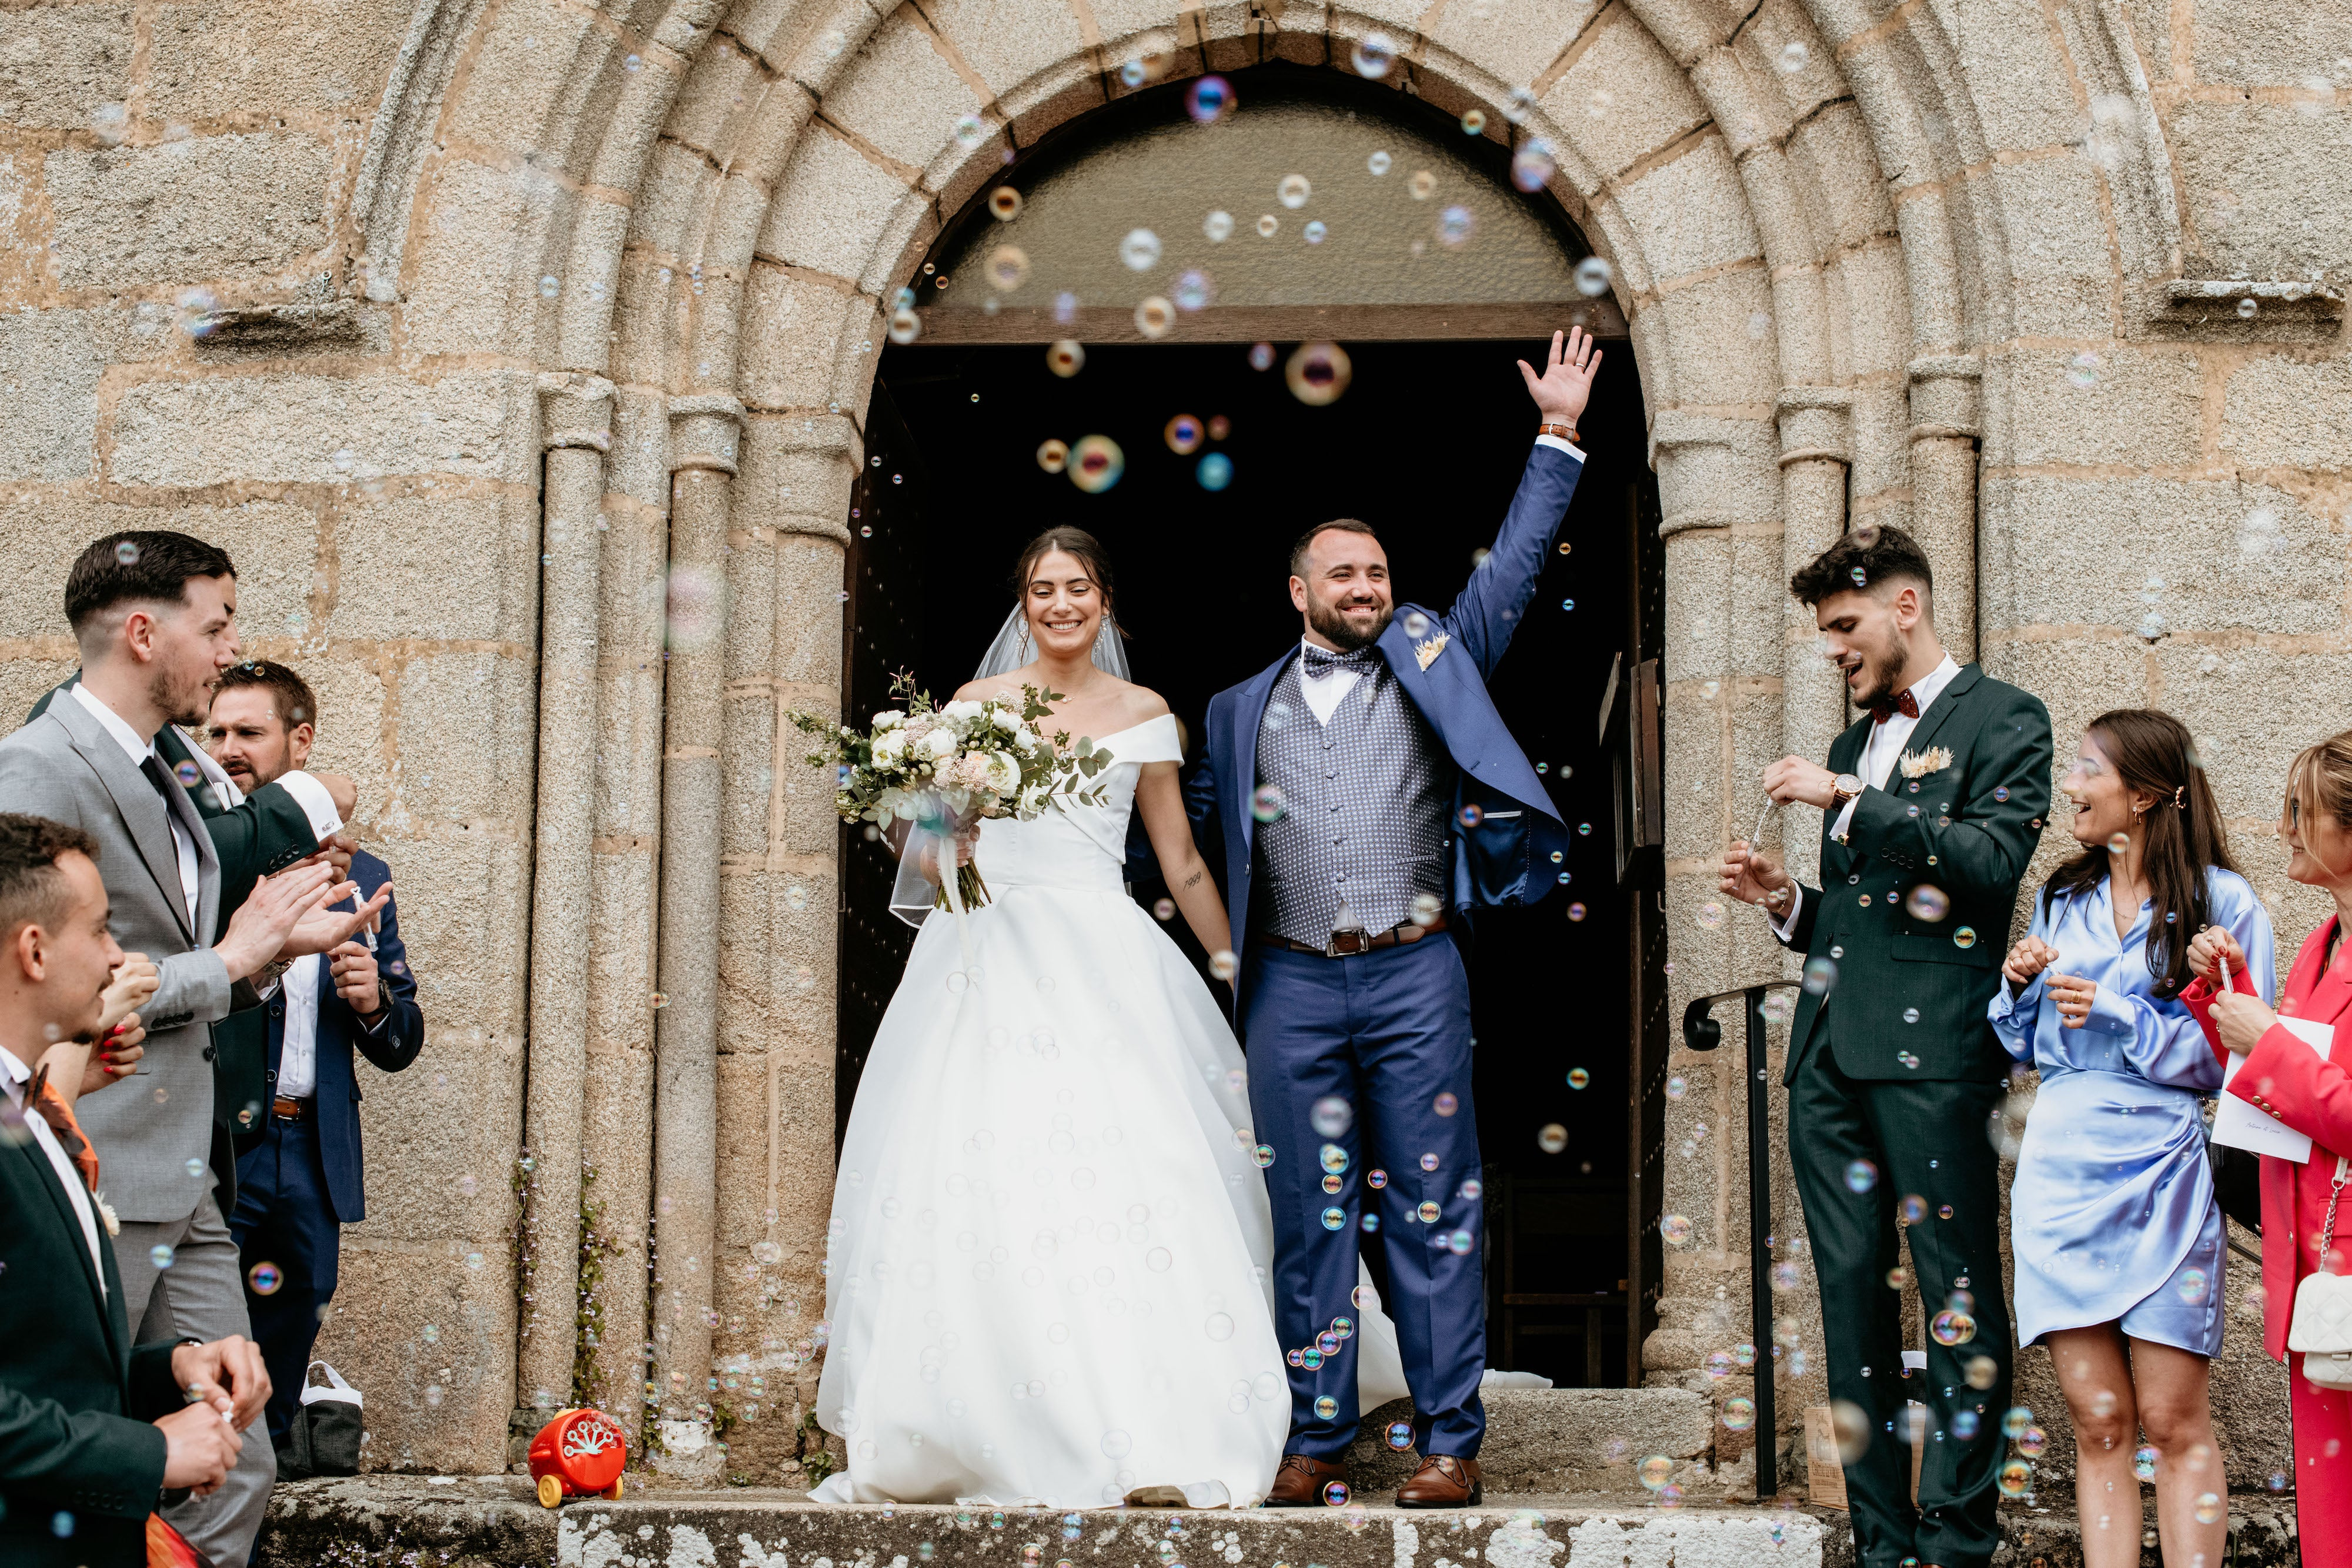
[1893, 1064]
[77, 1401]
[261, 837]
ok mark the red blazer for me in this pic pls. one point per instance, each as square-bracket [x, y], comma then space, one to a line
[2284, 1077]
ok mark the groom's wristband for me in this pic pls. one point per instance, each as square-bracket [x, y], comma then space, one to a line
[1565, 432]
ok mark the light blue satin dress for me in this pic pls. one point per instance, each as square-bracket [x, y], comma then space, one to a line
[2111, 1216]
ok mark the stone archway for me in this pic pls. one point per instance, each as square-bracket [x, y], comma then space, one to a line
[1807, 208]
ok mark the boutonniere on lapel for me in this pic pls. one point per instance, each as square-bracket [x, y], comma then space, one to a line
[1427, 650]
[1919, 764]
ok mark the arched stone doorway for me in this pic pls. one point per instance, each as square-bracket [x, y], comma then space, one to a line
[1371, 219]
[1781, 326]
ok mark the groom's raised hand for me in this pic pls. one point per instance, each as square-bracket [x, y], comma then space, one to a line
[1566, 384]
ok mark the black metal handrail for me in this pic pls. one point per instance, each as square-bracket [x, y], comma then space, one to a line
[1703, 1033]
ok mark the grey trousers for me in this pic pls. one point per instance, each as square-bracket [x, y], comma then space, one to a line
[200, 1295]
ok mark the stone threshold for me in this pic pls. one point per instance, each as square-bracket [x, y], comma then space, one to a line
[494, 1521]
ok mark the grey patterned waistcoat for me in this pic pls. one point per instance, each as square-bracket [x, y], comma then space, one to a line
[1365, 800]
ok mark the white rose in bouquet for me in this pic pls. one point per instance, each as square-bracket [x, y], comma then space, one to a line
[890, 746]
[960, 714]
[940, 743]
[890, 718]
[1006, 720]
[1003, 772]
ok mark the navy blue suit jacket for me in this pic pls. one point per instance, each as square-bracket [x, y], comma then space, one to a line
[391, 1047]
[1507, 858]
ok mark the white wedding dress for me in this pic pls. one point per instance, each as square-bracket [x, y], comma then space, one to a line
[1047, 1268]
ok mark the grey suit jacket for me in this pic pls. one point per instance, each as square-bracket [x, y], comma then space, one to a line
[151, 1129]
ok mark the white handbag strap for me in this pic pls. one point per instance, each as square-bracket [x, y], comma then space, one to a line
[334, 1388]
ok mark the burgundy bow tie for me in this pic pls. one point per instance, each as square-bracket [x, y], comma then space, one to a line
[1900, 702]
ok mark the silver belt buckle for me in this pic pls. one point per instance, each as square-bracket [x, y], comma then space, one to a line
[1332, 948]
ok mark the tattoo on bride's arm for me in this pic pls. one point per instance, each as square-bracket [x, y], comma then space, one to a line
[1195, 880]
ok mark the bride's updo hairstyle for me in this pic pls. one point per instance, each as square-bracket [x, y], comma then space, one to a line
[1081, 546]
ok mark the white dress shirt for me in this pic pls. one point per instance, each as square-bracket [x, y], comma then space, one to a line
[139, 750]
[1327, 691]
[18, 1079]
[1879, 755]
[297, 1053]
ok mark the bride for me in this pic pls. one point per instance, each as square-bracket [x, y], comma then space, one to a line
[1047, 1273]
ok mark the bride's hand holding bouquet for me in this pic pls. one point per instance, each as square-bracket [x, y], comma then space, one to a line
[944, 771]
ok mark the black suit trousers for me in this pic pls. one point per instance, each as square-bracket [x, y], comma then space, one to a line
[1924, 1140]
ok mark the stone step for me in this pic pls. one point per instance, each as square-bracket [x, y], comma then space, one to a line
[1561, 1441]
[494, 1521]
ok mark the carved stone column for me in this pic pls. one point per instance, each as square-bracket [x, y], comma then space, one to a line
[576, 433]
[704, 434]
[1816, 424]
[1944, 434]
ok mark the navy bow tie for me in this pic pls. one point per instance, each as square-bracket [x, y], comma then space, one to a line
[1321, 662]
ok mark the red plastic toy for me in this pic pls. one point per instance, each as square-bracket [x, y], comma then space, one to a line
[580, 1453]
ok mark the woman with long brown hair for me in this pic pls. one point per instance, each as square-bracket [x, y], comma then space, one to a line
[2117, 1235]
[2310, 1094]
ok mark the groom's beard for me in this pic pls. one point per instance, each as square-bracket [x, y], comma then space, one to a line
[1342, 633]
[1881, 670]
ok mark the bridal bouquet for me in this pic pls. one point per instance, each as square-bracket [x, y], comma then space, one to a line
[940, 766]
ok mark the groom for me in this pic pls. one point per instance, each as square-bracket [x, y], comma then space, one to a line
[1367, 794]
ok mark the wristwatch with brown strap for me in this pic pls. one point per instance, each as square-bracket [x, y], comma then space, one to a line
[1565, 432]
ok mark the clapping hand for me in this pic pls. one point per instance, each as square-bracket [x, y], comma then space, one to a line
[135, 980]
[1566, 384]
[2027, 958]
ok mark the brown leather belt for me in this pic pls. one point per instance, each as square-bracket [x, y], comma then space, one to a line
[285, 1108]
[1347, 943]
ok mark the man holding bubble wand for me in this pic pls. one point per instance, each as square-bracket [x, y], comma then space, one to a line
[1931, 804]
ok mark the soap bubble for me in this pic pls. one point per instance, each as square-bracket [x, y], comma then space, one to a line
[1223, 965]
[1261, 356]
[1266, 225]
[1965, 937]
[1519, 105]
[1593, 276]
[1927, 902]
[1820, 974]
[1054, 455]
[1004, 203]
[971, 130]
[188, 774]
[1952, 1328]
[1552, 1139]
[1532, 164]
[1474, 122]
[1266, 804]
[1399, 1435]
[1318, 373]
[1445, 1104]
[2083, 372]
[2016, 1479]
[2144, 1459]
[1677, 1230]
[1331, 1116]
[1293, 190]
[1209, 99]
[2247, 308]
[2192, 1286]
[1335, 1495]
[2208, 1505]
[1423, 185]
[1219, 227]
[1380, 162]
[1578, 1078]
[1096, 464]
[1455, 225]
[1183, 435]
[1315, 232]
[160, 1256]
[1374, 55]
[1860, 1176]
[905, 326]
[264, 1279]
[1194, 291]
[1656, 1470]
[1140, 250]
[1792, 58]
[1739, 1415]
[1008, 267]
[1710, 914]
[1154, 316]
[1215, 472]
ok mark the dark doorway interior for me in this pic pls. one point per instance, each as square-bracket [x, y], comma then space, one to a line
[1427, 445]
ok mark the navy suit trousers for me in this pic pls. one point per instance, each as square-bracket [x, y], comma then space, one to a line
[285, 1220]
[1388, 1033]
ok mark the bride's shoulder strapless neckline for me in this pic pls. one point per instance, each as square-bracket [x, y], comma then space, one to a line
[1105, 740]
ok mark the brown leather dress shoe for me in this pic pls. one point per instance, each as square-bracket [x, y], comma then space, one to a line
[1299, 1482]
[1442, 1481]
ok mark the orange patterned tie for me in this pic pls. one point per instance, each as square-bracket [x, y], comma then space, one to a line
[42, 1097]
